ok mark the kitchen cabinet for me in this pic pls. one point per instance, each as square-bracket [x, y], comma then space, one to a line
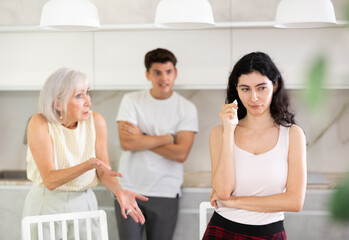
[293, 50]
[113, 57]
[28, 58]
[203, 57]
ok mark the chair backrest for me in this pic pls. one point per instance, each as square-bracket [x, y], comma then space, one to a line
[203, 217]
[63, 218]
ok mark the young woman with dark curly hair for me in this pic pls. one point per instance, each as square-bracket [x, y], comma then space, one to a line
[259, 164]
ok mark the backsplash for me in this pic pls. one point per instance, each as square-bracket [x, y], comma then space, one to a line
[326, 129]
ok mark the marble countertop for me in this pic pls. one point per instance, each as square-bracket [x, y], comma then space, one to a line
[203, 179]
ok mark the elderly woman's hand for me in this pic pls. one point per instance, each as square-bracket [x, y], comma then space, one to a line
[129, 206]
[103, 167]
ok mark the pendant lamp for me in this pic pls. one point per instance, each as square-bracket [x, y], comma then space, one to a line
[69, 15]
[184, 14]
[305, 14]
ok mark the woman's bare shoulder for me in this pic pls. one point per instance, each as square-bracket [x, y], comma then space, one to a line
[37, 120]
[37, 127]
[217, 130]
[99, 121]
[98, 118]
[296, 130]
[296, 133]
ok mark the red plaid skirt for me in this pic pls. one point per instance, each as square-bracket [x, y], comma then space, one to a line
[221, 228]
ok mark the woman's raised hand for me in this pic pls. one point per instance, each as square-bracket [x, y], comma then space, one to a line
[227, 114]
[129, 206]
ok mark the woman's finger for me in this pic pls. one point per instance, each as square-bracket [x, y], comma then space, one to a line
[123, 213]
[215, 204]
[139, 215]
[140, 197]
[133, 215]
[114, 174]
[230, 105]
[212, 202]
[228, 111]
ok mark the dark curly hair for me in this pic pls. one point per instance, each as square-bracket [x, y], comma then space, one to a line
[159, 55]
[262, 63]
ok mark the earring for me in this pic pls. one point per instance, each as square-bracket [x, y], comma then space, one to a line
[60, 117]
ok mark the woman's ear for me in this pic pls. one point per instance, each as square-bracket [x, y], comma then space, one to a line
[275, 86]
[58, 105]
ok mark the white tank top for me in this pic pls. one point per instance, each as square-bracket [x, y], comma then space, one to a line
[259, 175]
[71, 147]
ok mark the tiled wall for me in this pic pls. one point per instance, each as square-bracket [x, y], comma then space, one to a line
[326, 129]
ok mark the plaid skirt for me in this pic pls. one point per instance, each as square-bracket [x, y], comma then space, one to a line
[221, 228]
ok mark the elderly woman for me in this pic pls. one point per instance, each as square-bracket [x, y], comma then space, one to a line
[68, 152]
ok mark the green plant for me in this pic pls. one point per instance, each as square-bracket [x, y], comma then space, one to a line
[314, 94]
[339, 202]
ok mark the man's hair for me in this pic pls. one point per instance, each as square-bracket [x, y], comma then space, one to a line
[159, 55]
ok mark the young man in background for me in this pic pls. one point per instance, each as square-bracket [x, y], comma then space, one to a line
[156, 130]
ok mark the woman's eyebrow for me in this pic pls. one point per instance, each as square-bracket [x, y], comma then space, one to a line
[259, 84]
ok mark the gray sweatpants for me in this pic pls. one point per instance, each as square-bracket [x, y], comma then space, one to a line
[160, 220]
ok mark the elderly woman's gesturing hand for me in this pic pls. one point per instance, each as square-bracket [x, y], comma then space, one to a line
[129, 206]
[101, 166]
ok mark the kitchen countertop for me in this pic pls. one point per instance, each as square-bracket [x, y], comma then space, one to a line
[203, 179]
[315, 180]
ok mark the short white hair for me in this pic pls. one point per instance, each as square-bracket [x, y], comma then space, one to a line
[58, 89]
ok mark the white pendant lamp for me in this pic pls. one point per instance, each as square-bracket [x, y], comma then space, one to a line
[305, 14]
[184, 14]
[69, 15]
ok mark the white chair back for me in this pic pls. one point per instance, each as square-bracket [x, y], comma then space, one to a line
[63, 218]
[203, 217]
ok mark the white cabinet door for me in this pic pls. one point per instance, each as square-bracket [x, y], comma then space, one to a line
[203, 57]
[115, 59]
[293, 51]
[27, 59]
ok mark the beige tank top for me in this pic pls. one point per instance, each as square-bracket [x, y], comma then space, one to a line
[71, 147]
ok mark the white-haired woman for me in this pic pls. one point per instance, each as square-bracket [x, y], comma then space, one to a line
[68, 152]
